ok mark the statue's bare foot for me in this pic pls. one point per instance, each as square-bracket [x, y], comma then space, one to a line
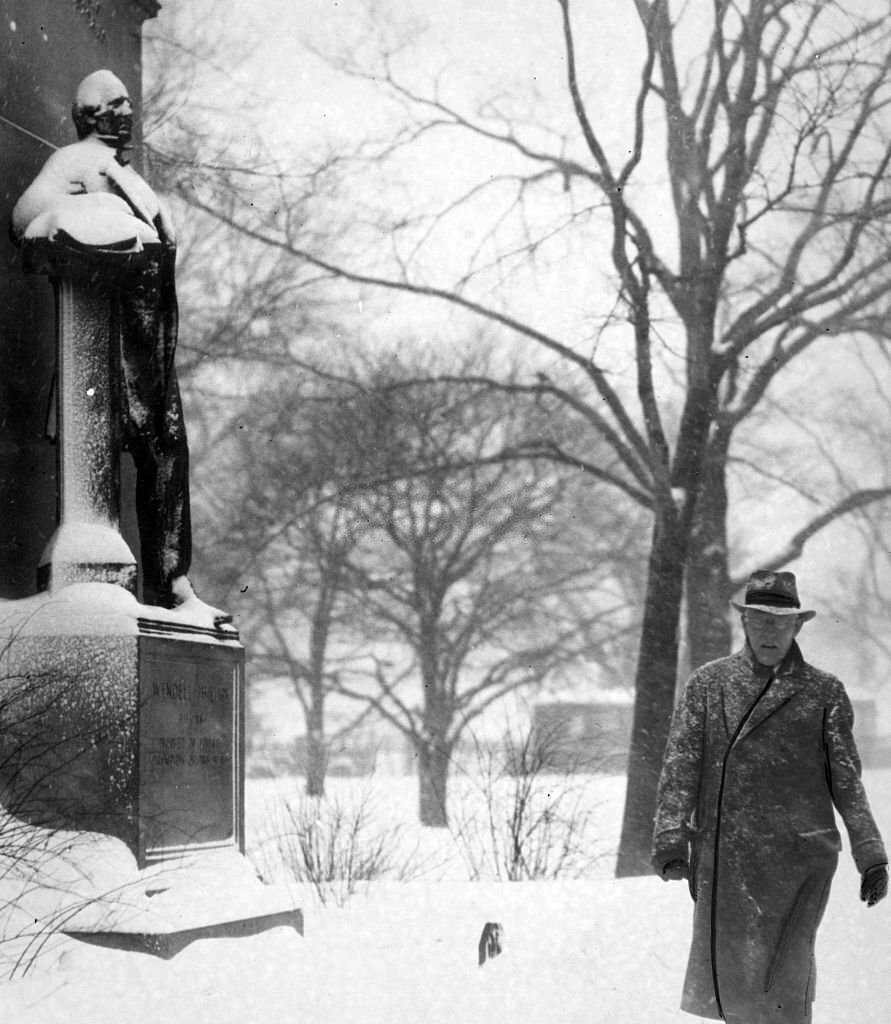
[184, 596]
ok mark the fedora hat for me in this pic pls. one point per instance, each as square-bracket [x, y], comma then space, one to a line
[774, 592]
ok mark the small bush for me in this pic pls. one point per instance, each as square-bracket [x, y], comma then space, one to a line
[533, 823]
[332, 845]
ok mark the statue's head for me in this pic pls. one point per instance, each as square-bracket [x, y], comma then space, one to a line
[102, 108]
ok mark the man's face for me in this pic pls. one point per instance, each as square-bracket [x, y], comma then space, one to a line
[114, 122]
[770, 636]
[102, 108]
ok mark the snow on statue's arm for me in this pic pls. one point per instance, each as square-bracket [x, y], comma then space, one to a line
[143, 200]
[73, 194]
[679, 782]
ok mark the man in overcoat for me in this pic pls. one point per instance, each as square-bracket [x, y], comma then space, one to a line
[759, 757]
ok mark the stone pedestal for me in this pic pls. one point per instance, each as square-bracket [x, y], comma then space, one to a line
[114, 721]
[87, 544]
[191, 743]
[122, 764]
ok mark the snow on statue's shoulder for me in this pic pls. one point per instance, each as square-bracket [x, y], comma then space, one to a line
[78, 192]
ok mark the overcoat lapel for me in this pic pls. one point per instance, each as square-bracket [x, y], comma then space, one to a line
[779, 693]
[786, 683]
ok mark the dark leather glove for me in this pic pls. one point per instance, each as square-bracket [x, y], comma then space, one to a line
[874, 884]
[675, 870]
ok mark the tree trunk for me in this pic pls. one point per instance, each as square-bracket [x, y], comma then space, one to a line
[655, 690]
[433, 774]
[708, 583]
[316, 747]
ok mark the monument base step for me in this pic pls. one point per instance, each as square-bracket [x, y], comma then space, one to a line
[166, 944]
[170, 906]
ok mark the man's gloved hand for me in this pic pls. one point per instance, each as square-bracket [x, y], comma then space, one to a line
[874, 884]
[675, 870]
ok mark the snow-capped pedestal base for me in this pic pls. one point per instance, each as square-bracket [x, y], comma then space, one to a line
[83, 552]
[122, 778]
[123, 719]
[62, 892]
[183, 901]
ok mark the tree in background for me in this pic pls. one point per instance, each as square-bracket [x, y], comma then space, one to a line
[770, 237]
[766, 126]
[376, 544]
[284, 531]
[468, 583]
[852, 441]
[246, 311]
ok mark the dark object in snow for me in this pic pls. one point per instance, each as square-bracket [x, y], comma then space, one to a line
[167, 943]
[490, 941]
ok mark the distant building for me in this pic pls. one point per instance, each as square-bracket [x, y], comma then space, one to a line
[584, 736]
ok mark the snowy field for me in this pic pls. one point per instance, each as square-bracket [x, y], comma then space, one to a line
[591, 950]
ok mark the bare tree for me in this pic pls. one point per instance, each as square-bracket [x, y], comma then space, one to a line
[767, 122]
[366, 518]
[242, 305]
[462, 596]
[281, 537]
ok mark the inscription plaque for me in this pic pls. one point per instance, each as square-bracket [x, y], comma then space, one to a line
[191, 766]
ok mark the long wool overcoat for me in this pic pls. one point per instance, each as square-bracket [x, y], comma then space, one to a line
[754, 766]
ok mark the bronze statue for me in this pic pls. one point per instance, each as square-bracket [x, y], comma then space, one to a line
[88, 200]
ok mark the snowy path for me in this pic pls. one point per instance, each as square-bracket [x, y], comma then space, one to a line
[590, 952]
[604, 951]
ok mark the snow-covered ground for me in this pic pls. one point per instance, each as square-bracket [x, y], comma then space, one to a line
[589, 950]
